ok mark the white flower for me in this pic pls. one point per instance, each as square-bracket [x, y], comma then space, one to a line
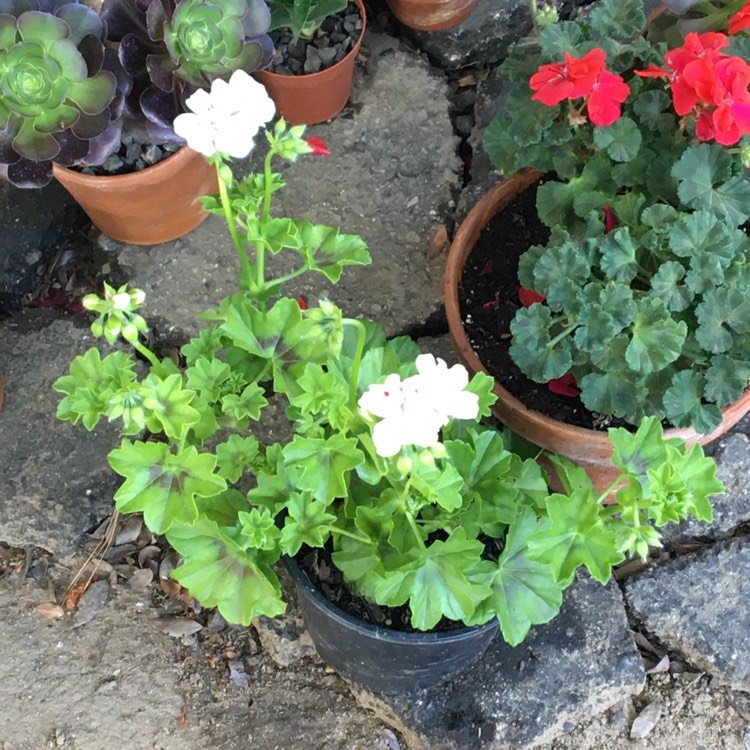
[404, 419]
[442, 388]
[227, 118]
[121, 301]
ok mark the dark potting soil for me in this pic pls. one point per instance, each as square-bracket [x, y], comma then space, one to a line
[133, 155]
[330, 44]
[488, 297]
[329, 580]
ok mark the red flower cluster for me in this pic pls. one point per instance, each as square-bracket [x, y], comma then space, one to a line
[585, 77]
[710, 85]
[740, 20]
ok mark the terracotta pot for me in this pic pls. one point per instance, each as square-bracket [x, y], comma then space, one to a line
[588, 448]
[431, 15]
[157, 204]
[314, 97]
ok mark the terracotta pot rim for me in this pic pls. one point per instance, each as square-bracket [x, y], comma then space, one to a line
[463, 244]
[130, 179]
[322, 73]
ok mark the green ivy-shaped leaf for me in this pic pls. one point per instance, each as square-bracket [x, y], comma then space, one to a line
[666, 285]
[247, 405]
[524, 591]
[531, 347]
[219, 572]
[207, 376]
[575, 536]
[618, 19]
[258, 529]
[726, 379]
[308, 523]
[327, 251]
[276, 234]
[321, 465]
[167, 403]
[236, 455]
[163, 485]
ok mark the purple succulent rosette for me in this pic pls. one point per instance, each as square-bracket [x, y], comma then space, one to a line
[171, 49]
[57, 102]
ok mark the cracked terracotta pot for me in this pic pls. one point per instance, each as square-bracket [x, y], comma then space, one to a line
[431, 15]
[314, 97]
[154, 205]
[590, 449]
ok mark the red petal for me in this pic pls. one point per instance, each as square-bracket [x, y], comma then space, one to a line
[610, 220]
[318, 147]
[528, 296]
[302, 302]
[489, 305]
[564, 386]
[486, 268]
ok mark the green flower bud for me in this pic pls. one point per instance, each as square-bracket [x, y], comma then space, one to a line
[403, 464]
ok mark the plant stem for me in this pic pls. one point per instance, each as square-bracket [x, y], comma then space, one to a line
[344, 532]
[609, 489]
[229, 216]
[415, 529]
[146, 352]
[560, 336]
[357, 361]
[260, 257]
[286, 277]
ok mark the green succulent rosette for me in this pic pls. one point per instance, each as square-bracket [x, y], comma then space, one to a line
[54, 96]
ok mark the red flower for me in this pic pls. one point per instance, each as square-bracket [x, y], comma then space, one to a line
[740, 20]
[604, 104]
[610, 220]
[568, 80]
[564, 386]
[528, 297]
[318, 147]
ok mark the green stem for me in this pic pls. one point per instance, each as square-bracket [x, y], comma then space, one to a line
[609, 489]
[286, 277]
[357, 361]
[229, 216]
[147, 353]
[260, 257]
[344, 532]
[560, 336]
[415, 529]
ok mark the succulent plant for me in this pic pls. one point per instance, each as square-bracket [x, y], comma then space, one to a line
[303, 17]
[173, 48]
[56, 100]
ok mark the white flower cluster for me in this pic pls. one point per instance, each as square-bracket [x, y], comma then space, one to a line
[227, 118]
[413, 411]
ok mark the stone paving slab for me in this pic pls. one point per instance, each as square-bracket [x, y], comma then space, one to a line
[392, 177]
[700, 606]
[577, 666]
[56, 483]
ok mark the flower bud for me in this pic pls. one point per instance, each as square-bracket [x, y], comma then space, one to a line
[547, 16]
[426, 457]
[403, 464]
[438, 450]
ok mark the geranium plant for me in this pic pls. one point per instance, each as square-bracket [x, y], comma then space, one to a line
[386, 464]
[642, 285]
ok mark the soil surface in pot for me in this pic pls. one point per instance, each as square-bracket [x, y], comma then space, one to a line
[334, 40]
[488, 297]
[134, 155]
[328, 579]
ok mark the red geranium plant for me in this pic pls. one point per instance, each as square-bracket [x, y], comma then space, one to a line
[643, 288]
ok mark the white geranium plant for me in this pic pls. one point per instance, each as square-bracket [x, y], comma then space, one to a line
[387, 464]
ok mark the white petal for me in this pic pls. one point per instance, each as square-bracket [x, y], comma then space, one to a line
[386, 436]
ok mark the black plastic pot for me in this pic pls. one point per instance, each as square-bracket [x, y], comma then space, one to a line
[382, 659]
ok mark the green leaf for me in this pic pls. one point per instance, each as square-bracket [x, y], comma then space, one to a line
[722, 311]
[656, 340]
[438, 585]
[618, 255]
[618, 19]
[235, 456]
[622, 139]
[559, 38]
[277, 234]
[524, 591]
[218, 572]
[531, 345]
[163, 485]
[706, 181]
[207, 376]
[322, 465]
[247, 405]
[683, 403]
[308, 523]
[168, 404]
[666, 285]
[481, 385]
[650, 107]
[327, 251]
[259, 529]
[611, 392]
[576, 536]
[726, 379]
